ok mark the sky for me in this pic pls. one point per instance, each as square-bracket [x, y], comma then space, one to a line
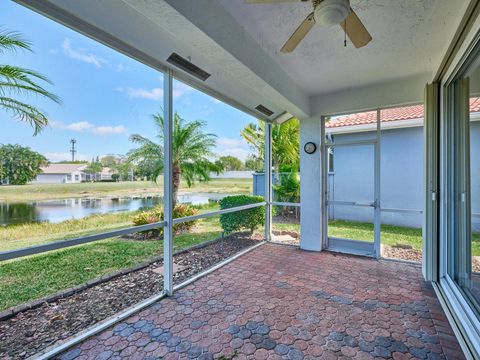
[106, 96]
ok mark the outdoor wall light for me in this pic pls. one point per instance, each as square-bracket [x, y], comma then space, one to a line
[310, 147]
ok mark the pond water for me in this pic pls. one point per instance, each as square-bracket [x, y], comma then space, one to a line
[75, 208]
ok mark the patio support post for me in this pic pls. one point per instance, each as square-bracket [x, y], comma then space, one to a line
[312, 188]
[167, 183]
[268, 181]
[431, 180]
[377, 206]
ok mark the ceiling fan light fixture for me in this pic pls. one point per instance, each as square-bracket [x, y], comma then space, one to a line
[331, 12]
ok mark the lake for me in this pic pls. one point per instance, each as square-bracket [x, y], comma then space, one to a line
[59, 210]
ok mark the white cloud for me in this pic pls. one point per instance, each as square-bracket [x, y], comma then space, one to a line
[216, 101]
[85, 126]
[179, 90]
[231, 142]
[120, 67]
[109, 130]
[81, 54]
[234, 147]
[79, 126]
[152, 94]
[65, 156]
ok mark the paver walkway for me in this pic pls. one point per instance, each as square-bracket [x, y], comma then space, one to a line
[278, 302]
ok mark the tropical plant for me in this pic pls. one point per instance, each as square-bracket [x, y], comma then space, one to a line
[19, 165]
[288, 190]
[18, 81]
[285, 142]
[191, 146]
[156, 214]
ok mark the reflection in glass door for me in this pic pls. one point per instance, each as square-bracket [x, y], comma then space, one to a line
[464, 251]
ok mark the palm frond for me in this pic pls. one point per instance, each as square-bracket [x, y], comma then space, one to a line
[11, 41]
[16, 80]
[26, 90]
[25, 112]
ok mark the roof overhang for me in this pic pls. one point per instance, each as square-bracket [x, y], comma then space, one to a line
[244, 71]
[156, 29]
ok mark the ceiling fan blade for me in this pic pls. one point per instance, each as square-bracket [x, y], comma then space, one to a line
[355, 30]
[298, 34]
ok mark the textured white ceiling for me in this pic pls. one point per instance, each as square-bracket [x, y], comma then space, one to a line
[239, 45]
[409, 37]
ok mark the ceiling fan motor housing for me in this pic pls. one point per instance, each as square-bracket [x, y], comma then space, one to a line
[330, 12]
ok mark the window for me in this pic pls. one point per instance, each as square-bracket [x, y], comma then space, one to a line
[330, 161]
[77, 177]
[69, 177]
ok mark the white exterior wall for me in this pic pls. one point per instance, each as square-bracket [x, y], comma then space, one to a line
[232, 174]
[401, 177]
[59, 178]
[310, 184]
[51, 179]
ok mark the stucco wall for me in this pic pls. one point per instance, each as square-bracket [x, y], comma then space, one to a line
[401, 176]
[50, 179]
[310, 183]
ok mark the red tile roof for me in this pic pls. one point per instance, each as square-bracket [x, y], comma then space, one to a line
[393, 114]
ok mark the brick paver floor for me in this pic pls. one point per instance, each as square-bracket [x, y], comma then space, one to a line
[278, 302]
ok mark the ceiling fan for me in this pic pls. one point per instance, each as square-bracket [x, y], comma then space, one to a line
[326, 12]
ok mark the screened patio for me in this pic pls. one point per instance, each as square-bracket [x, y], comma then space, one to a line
[327, 296]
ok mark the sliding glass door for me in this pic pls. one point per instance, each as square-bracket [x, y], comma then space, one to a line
[460, 231]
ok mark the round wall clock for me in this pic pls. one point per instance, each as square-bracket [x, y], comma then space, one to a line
[310, 147]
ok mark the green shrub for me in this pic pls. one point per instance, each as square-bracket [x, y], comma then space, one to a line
[156, 214]
[287, 191]
[249, 219]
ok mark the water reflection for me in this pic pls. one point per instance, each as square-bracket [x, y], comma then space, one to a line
[75, 208]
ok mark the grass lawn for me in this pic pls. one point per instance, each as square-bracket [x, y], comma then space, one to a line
[390, 235]
[24, 235]
[18, 236]
[31, 192]
[30, 278]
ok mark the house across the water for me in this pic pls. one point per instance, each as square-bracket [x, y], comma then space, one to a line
[69, 174]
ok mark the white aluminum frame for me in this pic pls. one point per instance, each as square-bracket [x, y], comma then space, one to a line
[376, 204]
[167, 182]
[464, 321]
[56, 245]
[217, 212]
[351, 245]
[268, 181]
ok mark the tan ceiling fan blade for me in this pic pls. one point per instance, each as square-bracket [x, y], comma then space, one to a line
[298, 34]
[355, 30]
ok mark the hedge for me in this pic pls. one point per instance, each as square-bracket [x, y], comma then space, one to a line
[249, 219]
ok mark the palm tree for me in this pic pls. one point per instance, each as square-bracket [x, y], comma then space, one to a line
[19, 81]
[192, 149]
[285, 142]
